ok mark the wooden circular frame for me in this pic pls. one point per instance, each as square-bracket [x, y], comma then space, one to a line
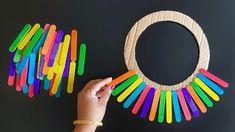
[160, 16]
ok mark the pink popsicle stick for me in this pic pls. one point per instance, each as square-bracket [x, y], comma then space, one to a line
[30, 93]
[24, 74]
[140, 100]
[46, 27]
[184, 105]
[18, 87]
[214, 78]
[11, 80]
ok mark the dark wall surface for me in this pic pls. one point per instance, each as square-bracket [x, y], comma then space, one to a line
[166, 52]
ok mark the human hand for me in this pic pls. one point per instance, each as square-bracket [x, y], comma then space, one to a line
[92, 100]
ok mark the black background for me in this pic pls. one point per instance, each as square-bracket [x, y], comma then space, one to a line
[166, 52]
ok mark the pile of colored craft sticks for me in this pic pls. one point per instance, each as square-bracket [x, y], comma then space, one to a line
[44, 54]
[187, 101]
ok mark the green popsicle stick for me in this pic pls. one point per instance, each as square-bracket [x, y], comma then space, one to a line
[21, 35]
[201, 94]
[162, 107]
[33, 41]
[17, 56]
[124, 85]
[81, 59]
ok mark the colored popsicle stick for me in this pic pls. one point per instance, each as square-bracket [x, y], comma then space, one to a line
[22, 64]
[45, 68]
[30, 93]
[162, 103]
[196, 99]
[125, 84]
[190, 102]
[59, 90]
[46, 27]
[36, 82]
[147, 103]
[66, 68]
[211, 84]
[202, 95]
[154, 106]
[46, 84]
[33, 41]
[214, 78]
[129, 90]
[55, 48]
[10, 81]
[19, 38]
[134, 95]
[64, 50]
[18, 87]
[140, 100]
[70, 84]
[176, 106]
[25, 89]
[17, 55]
[11, 65]
[56, 82]
[31, 73]
[26, 39]
[168, 107]
[51, 85]
[74, 45]
[48, 40]
[122, 78]
[48, 54]
[81, 59]
[23, 78]
[40, 42]
[184, 106]
[206, 89]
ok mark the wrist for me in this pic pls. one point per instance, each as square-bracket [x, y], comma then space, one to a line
[85, 128]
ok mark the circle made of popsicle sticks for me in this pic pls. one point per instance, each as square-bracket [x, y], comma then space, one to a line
[170, 16]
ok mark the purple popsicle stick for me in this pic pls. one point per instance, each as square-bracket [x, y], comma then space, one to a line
[36, 82]
[147, 103]
[190, 102]
[41, 67]
[55, 47]
[12, 65]
[66, 69]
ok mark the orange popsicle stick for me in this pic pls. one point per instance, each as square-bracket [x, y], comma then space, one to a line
[122, 78]
[154, 105]
[73, 45]
[48, 40]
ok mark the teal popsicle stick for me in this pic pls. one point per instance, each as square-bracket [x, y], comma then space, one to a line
[176, 106]
[81, 59]
[124, 85]
[21, 35]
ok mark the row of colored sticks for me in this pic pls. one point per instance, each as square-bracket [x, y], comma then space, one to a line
[191, 98]
[44, 54]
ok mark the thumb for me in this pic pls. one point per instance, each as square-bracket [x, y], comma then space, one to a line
[105, 95]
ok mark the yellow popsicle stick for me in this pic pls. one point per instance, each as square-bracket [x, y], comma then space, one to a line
[72, 68]
[39, 61]
[129, 90]
[64, 51]
[28, 36]
[58, 77]
[205, 88]
[168, 107]
[51, 70]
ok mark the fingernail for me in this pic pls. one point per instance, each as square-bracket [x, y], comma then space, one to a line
[112, 87]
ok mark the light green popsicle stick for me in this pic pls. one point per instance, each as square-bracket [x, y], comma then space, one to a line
[162, 104]
[21, 35]
[201, 94]
[17, 56]
[33, 41]
[81, 59]
[124, 85]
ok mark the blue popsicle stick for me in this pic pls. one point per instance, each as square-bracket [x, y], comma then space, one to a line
[176, 106]
[147, 103]
[134, 95]
[22, 64]
[31, 73]
[211, 84]
[25, 89]
[46, 84]
[58, 93]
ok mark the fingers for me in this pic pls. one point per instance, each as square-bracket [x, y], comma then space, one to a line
[104, 97]
[97, 86]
